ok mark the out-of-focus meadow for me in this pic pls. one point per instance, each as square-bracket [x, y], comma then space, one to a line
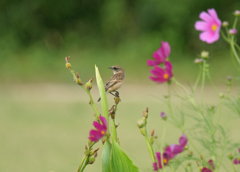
[45, 118]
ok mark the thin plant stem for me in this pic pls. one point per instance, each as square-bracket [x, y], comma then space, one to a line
[161, 153]
[88, 92]
[233, 167]
[198, 78]
[203, 80]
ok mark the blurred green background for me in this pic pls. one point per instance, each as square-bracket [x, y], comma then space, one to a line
[45, 118]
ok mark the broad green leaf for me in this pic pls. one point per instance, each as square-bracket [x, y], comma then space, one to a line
[120, 162]
[102, 95]
[106, 156]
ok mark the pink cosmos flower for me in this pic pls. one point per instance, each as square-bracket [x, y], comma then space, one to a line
[210, 26]
[160, 55]
[95, 135]
[169, 153]
[162, 75]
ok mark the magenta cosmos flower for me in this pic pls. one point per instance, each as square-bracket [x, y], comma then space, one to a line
[95, 135]
[210, 26]
[205, 169]
[169, 153]
[160, 55]
[162, 75]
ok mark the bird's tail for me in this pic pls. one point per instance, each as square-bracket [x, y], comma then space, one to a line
[99, 99]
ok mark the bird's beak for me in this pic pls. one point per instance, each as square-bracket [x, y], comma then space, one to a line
[109, 67]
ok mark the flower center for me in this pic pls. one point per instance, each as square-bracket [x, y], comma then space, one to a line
[214, 27]
[102, 132]
[165, 76]
[165, 160]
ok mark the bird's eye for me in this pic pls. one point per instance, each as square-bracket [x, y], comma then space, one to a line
[115, 68]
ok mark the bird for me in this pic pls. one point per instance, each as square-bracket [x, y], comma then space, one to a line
[116, 81]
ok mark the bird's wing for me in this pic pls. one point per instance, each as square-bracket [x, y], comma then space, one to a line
[113, 80]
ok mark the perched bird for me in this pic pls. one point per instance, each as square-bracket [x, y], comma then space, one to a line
[116, 80]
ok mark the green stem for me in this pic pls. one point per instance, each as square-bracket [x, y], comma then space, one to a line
[220, 161]
[88, 92]
[234, 50]
[203, 80]
[233, 167]
[211, 81]
[224, 37]
[163, 135]
[235, 22]
[149, 145]
[80, 169]
[198, 78]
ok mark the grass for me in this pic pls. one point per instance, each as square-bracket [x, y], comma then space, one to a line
[44, 127]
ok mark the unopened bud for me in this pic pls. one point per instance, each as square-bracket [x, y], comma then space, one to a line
[237, 13]
[147, 109]
[140, 123]
[152, 133]
[204, 54]
[67, 59]
[68, 65]
[230, 156]
[221, 95]
[89, 86]
[201, 157]
[91, 160]
[91, 80]
[200, 168]
[225, 23]
[142, 131]
[144, 120]
[151, 140]
[91, 153]
[232, 31]
[190, 153]
[86, 152]
[229, 78]
[79, 82]
[163, 116]
[77, 75]
[117, 99]
[186, 148]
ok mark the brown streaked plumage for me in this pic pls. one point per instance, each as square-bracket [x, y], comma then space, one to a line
[116, 80]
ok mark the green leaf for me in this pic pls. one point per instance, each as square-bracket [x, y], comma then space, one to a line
[106, 156]
[119, 161]
[102, 95]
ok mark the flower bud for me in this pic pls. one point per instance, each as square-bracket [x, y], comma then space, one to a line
[190, 153]
[140, 123]
[197, 61]
[152, 133]
[144, 120]
[67, 59]
[225, 23]
[201, 157]
[232, 31]
[186, 147]
[200, 168]
[142, 131]
[163, 116]
[77, 75]
[91, 160]
[230, 156]
[237, 13]
[89, 86]
[151, 140]
[86, 152]
[68, 65]
[221, 95]
[91, 152]
[117, 99]
[79, 82]
[204, 54]
[229, 78]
